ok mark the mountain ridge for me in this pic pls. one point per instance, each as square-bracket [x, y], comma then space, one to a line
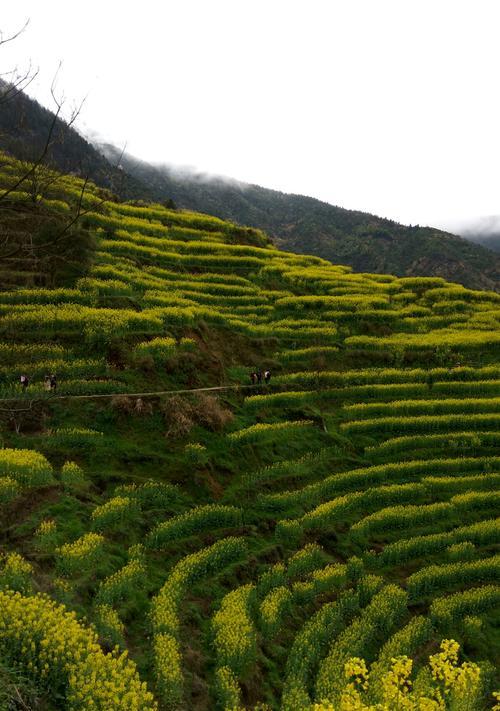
[296, 223]
[306, 225]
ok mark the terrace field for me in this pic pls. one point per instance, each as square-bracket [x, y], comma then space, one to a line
[174, 537]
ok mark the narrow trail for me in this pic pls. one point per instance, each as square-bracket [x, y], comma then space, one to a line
[50, 398]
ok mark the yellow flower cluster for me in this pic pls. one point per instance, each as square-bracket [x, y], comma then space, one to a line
[195, 521]
[234, 633]
[80, 555]
[273, 607]
[263, 430]
[168, 667]
[62, 587]
[15, 573]
[52, 647]
[109, 626]
[356, 670]
[46, 528]
[120, 584]
[45, 534]
[448, 686]
[228, 690]
[26, 467]
[114, 512]
[9, 489]
[461, 683]
[156, 494]
[159, 349]
[72, 475]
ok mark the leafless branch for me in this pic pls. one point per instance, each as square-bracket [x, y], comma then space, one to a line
[10, 38]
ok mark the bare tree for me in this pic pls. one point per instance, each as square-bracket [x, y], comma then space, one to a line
[31, 234]
[15, 81]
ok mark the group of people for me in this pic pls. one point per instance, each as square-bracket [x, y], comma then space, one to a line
[49, 382]
[257, 377]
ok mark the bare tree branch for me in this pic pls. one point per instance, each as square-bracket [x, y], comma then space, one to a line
[4, 40]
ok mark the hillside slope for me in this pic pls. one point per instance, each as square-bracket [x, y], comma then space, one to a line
[241, 542]
[295, 222]
[308, 226]
[25, 127]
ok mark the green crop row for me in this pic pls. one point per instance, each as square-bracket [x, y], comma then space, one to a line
[467, 340]
[438, 406]
[81, 555]
[400, 552]
[403, 447]
[447, 611]
[385, 426]
[79, 367]
[394, 518]
[46, 296]
[189, 570]
[381, 376]
[372, 627]
[153, 255]
[165, 610]
[198, 520]
[439, 486]
[273, 608]
[309, 465]
[358, 479]
[432, 578]
[235, 638]
[118, 511]
[262, 432]
[14, 353]
[96, 324]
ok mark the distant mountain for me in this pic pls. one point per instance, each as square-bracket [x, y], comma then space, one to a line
[306, 225]
[482, 230]
[295, 222]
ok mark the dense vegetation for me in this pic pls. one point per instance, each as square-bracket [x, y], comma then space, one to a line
[306, 544]
[308, 226]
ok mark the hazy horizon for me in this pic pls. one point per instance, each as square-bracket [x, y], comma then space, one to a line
[383, 107]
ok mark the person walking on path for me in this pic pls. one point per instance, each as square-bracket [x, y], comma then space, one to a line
[253, 378]
[46, 383]
[24, 381]
[267, 376]
[259, 376]
[53, 382]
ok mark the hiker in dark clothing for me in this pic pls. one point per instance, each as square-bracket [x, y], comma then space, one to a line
[46, 383]
[259, 376]
[253, 378]
[53, 383]
[24, 381]
[267, 376]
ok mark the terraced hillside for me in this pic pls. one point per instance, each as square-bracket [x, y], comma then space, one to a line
[169, 546]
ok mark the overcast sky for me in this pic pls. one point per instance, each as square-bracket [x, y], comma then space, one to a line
[388, 106]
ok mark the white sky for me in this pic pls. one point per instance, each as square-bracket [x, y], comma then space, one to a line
[388, 106]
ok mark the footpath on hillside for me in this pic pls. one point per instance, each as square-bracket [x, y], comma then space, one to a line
[127, 394]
